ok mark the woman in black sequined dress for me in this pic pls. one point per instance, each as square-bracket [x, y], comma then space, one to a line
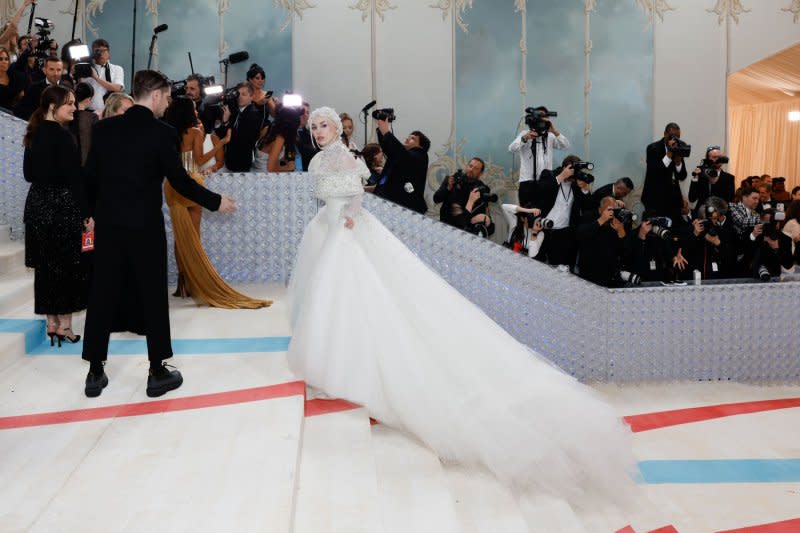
[56, 214]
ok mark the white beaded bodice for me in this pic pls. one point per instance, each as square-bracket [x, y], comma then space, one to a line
[337, 172]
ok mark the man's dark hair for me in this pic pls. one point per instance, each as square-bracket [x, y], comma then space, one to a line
[147, 81]
[424, 142]
[671, 126]
[627, 182]
[195, 77]
[52, 59]
[97, 43]
[747, 190]
[794, 191]
[571, 158]
[481, 161]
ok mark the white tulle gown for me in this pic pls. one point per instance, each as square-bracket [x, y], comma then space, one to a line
[374, 325]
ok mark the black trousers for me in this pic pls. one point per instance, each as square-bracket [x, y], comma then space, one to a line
[527, 193]
[559, 247]
[129, 291]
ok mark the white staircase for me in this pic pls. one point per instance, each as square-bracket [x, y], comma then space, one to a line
[16, 282]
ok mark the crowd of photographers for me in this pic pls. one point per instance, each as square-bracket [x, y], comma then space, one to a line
[750, 231]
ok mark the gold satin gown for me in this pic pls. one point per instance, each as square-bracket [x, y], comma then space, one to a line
[200, 278]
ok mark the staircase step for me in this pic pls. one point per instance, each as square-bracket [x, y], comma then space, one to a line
[16, 288]
[337, 488]
[412, 487]
[482, 503]
[12, 255]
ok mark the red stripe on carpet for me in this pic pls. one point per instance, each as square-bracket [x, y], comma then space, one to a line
[294, 388]
[665, 529]
[322, 407]
[662, 419]
[786, 526]
[626, 529]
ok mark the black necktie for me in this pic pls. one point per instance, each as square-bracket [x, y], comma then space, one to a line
[108, 73]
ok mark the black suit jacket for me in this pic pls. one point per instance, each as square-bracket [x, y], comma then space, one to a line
[30, 100]
[547, 188]
[661, 193]
[128, 160]
[246, 125]
[405, 166]
[305, 147]
[702, 189]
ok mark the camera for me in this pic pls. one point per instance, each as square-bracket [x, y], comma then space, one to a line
[44, 48]
[763, 273]
[387, 113]
[458, 175]
[536, 119]
[545, 222]
[625, 216]
[581, 168]
[770, 229]
[709, 166]
[709, 228]
[80, 52]
[681, 148]
[629, 277]
[486, 196]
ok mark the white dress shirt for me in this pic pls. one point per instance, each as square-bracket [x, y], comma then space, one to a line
[117, 76]
[544, 159]
[562, 209]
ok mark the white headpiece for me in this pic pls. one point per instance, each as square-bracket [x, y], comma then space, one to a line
[328, 113]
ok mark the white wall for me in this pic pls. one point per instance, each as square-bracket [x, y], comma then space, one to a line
[694, 53]
[412, 45]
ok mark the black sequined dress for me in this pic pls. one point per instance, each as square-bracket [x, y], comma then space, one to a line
[54, 213]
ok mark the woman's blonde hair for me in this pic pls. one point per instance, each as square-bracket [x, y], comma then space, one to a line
[114, 102]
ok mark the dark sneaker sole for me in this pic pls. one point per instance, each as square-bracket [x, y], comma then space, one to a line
[94, 391]
[155, 392]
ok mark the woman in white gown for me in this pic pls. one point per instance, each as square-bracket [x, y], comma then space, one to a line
[374, 325]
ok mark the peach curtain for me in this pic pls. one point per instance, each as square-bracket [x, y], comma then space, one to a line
[761, 140]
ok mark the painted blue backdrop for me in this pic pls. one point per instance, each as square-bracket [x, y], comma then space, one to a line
[194, 25]
[489, 105]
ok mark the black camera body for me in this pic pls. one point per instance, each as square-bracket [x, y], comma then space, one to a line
[386, 113]
[536, 119]
[626, 216]
[709, 228]
[709, 166]
[581, 169]
[681, 148]
[44, 27]
[770, 229]
[486, 196]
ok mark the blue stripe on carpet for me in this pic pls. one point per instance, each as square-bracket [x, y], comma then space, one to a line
[179, 346]
[721, 471]
[36, 343]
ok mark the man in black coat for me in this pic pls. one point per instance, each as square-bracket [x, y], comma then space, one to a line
[617, 190]
[33, 93]
[246, 123]
[129, 158]
[601, 242]
[406, 168]
[563, 198]
[710, 180]
[661, 194]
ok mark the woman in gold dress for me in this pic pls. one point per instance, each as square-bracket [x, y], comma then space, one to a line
[197, 276]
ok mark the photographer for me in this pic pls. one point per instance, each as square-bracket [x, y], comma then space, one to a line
[465, 200]
[709, 179]
[403, 180]
[712, 245]
[245, 122]
[601, 244]
[208, 114]
[525, 233]
[650, 256]
[562, 195]
[618, 190]
[662, 193]
[306, 149]
[106, 77]
[772, 249]
[30, 99]
[535, 147]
